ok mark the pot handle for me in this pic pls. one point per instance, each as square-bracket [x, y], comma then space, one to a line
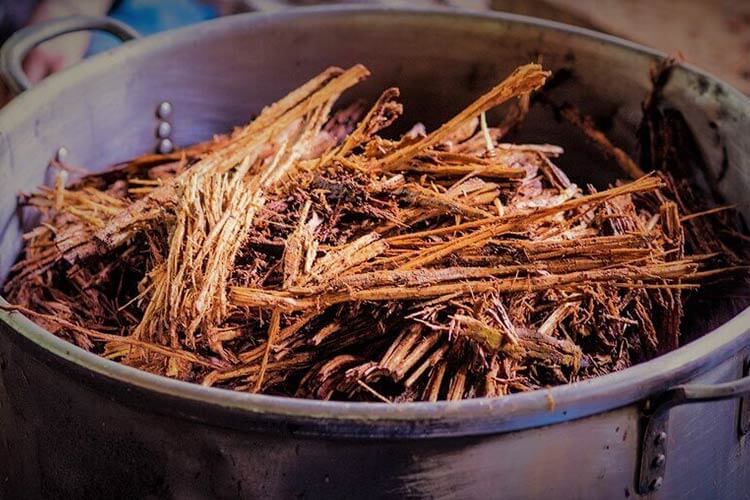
[656, 415]
[699, 393]
[15, 49]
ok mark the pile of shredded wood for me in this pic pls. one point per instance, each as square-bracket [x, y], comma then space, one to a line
[306, 255]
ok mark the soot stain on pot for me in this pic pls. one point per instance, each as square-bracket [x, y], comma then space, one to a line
[37, 127]
[478, 75]
[702, 84]
[718, 91]
[7, 163]
[724, 167]
[219, 466]
[723, 114]
[292, 428]
[140, 473]
[560, 77]
[716, 136]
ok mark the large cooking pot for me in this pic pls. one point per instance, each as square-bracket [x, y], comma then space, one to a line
[75, 425]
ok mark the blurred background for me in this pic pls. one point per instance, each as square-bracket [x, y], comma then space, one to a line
[714, 35]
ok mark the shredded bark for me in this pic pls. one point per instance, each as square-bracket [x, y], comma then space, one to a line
[306, 255]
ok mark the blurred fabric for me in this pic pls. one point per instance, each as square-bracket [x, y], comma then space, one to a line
[14, 14]
[152, 16]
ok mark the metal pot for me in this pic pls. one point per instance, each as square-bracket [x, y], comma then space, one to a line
[75, 425]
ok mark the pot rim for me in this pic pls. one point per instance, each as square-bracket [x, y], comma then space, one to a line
[404, 420]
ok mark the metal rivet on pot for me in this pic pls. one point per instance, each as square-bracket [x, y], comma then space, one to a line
[164, 109]
[657, 483]
[661, 438]
[164, 129]
[659, 460]
[62, 153]
[165, 146]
